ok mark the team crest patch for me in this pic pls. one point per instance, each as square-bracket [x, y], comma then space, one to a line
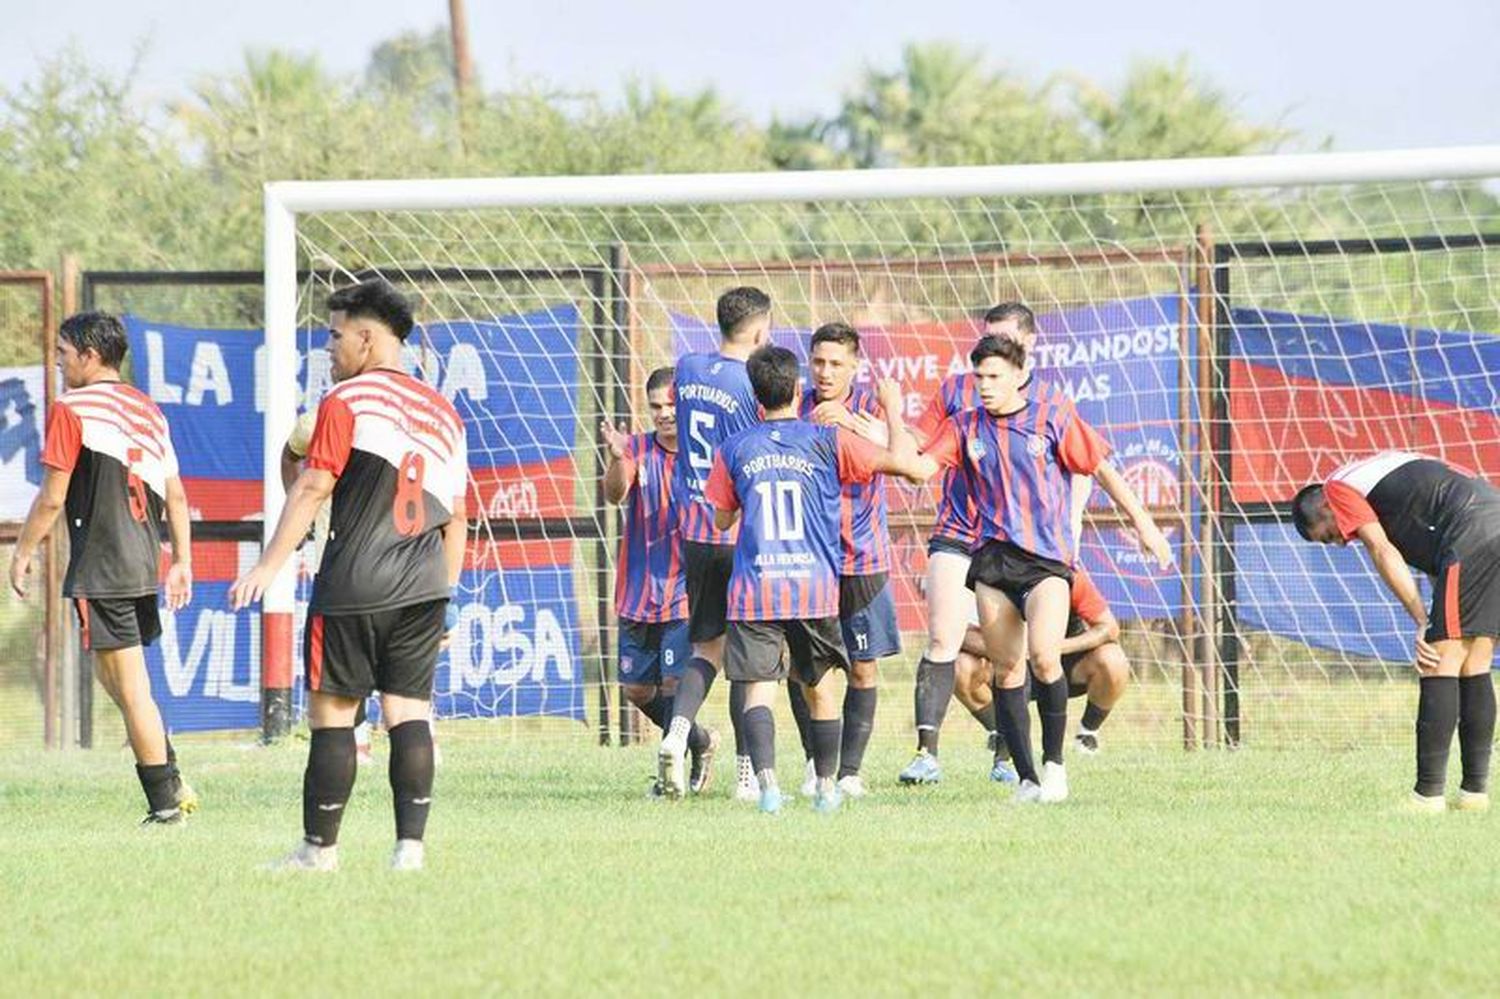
[626, 664]
[715, 369]
[976, 449]
[776, 435]
[1036, 445]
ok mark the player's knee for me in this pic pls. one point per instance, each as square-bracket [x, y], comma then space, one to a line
[1114, 668]
[639, 695]
[668, 687]
[863, 675]
[1047, 666]
[396, 710]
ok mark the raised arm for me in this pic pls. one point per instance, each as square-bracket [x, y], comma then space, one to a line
[620, 473]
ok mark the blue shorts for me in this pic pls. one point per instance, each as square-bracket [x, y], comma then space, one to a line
[653, 653]
[867, 614]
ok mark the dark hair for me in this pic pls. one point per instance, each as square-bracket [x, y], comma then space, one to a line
[1024, 317]
[836, 333]
[773, 374]
[97, 331]
[1010, 351]
[374, 299]
[1306, 507]
[660, 378]
[739, 304]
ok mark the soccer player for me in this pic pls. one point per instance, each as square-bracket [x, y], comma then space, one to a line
[390, 451]
[867, 611]
[1413, 510]
[1019, 457]
[786, 476]
[714, 401]
[1092, 660]
[950, 604]
[110, 464]
[650, 593]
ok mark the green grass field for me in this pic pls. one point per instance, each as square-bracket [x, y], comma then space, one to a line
[548, 872]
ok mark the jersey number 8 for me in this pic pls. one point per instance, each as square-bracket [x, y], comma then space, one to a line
[409, 511]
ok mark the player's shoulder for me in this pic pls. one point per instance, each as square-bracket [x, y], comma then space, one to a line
[117, 396]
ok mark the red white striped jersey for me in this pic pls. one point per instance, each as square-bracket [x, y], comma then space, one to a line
[114, 441]
[399, 451]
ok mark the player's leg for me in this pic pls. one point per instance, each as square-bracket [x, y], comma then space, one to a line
[707, 569]
[1103, 674]
[673, 652]
[1004, 633]
[409, 640]
[1046, 624]
[975, 692]
[870, 632]
[1437, 721]
[803, 719]
[1476, 723]
[818, 657]
[948, 604]
[753, 663]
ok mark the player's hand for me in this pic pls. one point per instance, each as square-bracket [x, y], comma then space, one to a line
[871, 429]
[832, 414]
[179, 585]
[888, 392]
[1154, 543]
[20, 568]
[615, 437]
[450, 622]
[250, 587]
[1427, 653]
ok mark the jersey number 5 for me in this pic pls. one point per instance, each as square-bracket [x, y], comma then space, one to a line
[409, 511]
[700, 451]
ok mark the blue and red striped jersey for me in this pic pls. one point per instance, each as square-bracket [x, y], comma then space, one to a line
[955, 511]
[864, 529]
[714, 402]
[649, 584]
[1020, 470]
[786, 476]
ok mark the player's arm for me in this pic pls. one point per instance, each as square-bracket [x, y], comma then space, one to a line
[1152, 540]
[719, 491]
[905, 457]
[1398, 579]
[39, 520]
[455, 539]
[180, 536]
[620, 474]
[1105, 629]
[295, 449]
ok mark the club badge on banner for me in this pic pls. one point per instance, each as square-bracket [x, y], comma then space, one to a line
[22, 420]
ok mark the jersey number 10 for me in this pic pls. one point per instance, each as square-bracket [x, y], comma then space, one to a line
[780, 510]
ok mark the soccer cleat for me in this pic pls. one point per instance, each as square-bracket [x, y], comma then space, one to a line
[746, 788]
[1086, 742]
[1423, 804]
[307, 857]
[1472, 801]
[853, 786]
[1003, 772]
[770, 800]
[671, 767]
[656, 792]
[923, 769]
[187, 798]
[809, 788]
[166, 817]
[1054, 783]
[409, 855]
[1027, 793]
[828, 801]
[701, 774]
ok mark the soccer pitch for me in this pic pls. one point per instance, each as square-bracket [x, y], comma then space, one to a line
[550, 872]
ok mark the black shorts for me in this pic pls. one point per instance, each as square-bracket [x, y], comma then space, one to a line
[1466, 595]
[111, 623]
[858, 592]
[393, 651]
[1013, 570]
[938, 543]
[753, 652]
[706, 569]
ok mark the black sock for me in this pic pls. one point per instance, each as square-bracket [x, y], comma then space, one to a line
[659, 710]
[326, 784]
[1476, 730]
[859, 724]
[985, 716]
[1052, 706]
[759, 726]
[1437, 717]
[801, 716]
[411, 776]
[1093, 716]
[1014, 718]
[933, 691]
[737, 718]
[160, 784]
[692, 688]
[825, 740]
[171, 754]
[697, 738]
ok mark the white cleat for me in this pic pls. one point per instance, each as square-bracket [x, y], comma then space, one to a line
[1472, 801]
[746, 787]
[1027, 793]
[1423, 804]
[307, 857]
[671, 767]
[853, 786]
[409, 855]
[809, 788]
[1054, 783]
